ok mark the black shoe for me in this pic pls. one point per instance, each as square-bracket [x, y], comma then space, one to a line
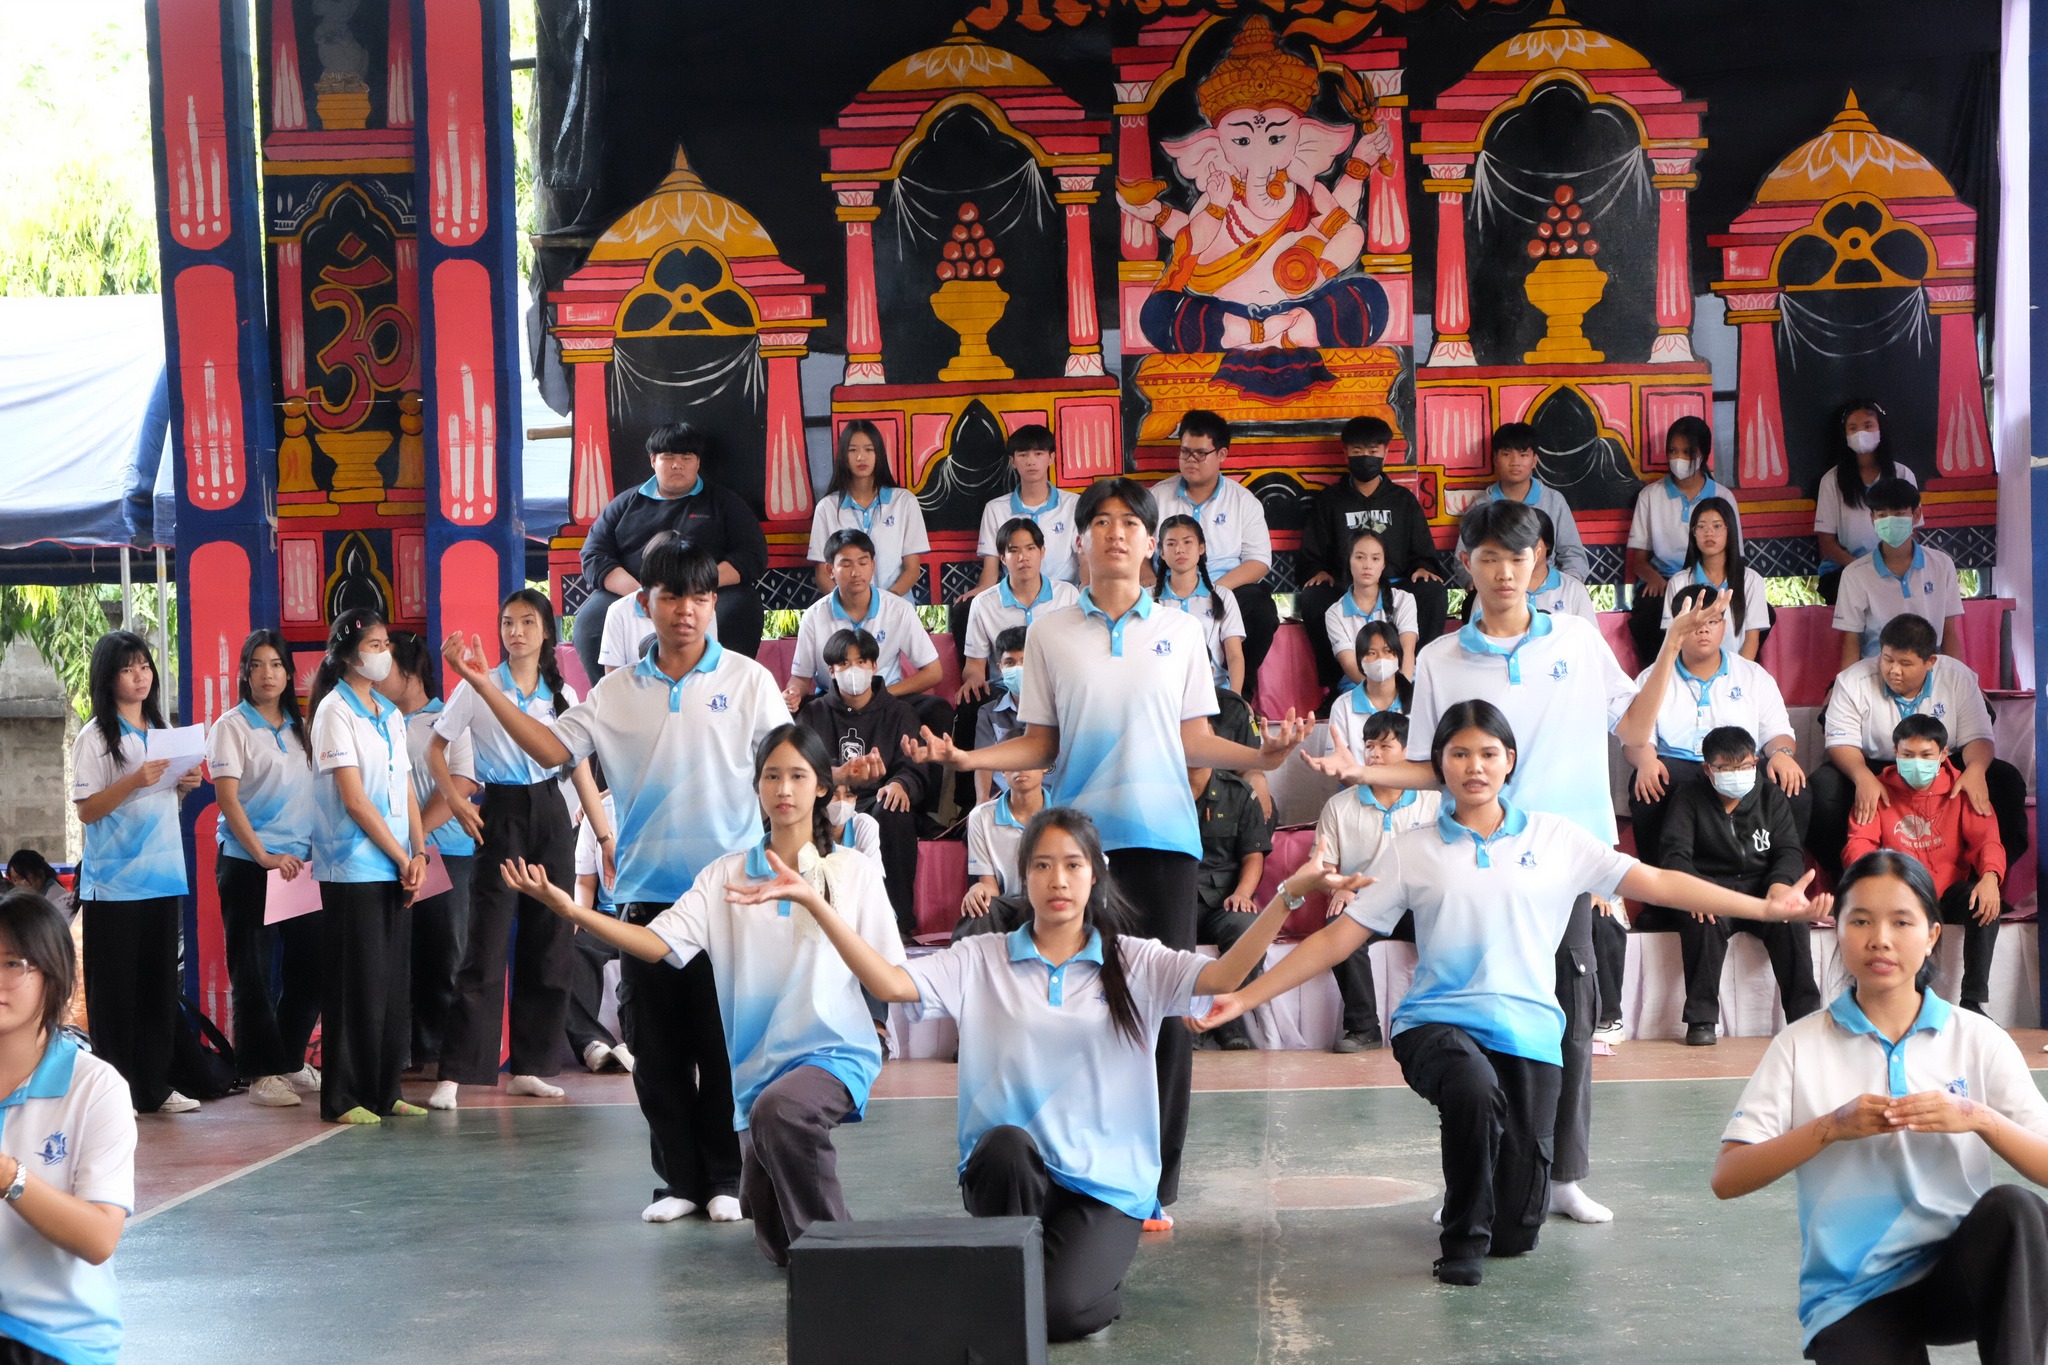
[1358, 1042]
[1465, 1270]
[1699, 1035]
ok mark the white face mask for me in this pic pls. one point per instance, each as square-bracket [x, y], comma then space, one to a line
[839, 812]
[855, 681]
[1379, 670]
[1737, 784]
[374, 667]
[1682, 470]
[1863, 442]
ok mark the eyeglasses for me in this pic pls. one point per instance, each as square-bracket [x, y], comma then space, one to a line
[14, 970]
[1190, 454]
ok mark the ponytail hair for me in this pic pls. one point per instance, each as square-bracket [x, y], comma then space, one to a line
[550, 663]
[288, 700]
[115, 651]
[1177, 522]
[342, 639]
[414, 657]
[1107, 912]
[810, 747]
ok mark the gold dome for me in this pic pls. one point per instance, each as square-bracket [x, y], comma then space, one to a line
[1850, 154]
[682, 210]
[962, 62]
[1558, 40]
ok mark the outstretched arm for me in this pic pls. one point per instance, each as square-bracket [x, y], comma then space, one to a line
[529, 734]
[1204, 749]
[531, 880]
[1322, 950]
[1318, 873]
[1340, 763]
[1036, 748]
[883, 978]
[1662, 886]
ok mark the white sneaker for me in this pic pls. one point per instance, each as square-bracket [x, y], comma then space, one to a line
[596, 1057]
[534, 1087]
[723, 1208]
[178, 1104]
[1616, 1032]
[622, 1058]
[274, 1092]
[305, 1078]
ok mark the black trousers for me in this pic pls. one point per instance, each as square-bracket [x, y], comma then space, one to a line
[1495, 1114]
[131, 991]
[1088, 1245]
[587, 959]
[1261, 620]
[519, 822]
[681, 1074]
[1703, 947]
[1354, 983]
[440, 937]
[13, 1352]
[1646, 625]
[1223, 928]
[1161, 886]
[789, 1170]
[365, 996]
[1834, 797]
[274, 1010]
[899, 859]
[1578, 992]
[1432, 608]
[1610, 965]
[740, 621]
[1980, 941]
[1986, 1288]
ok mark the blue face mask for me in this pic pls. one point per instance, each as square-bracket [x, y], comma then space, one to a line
[1013, 679]
[1919, 772]
[1893, 531]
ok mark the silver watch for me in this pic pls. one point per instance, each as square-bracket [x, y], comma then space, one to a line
[1293, 902]
[14, 1191]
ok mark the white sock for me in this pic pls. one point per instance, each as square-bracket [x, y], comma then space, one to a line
[1438, 1217]
[723, 1208]
[667, 1210]
[534, 1087]
[443, 1096]
[1574, 1203]
[623, 1057]
[595, 1056]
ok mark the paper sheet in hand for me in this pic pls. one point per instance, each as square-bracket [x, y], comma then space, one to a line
[290, 899]
[437, 878]
[184, 747]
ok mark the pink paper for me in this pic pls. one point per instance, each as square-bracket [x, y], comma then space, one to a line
[437, 877]
[290, 899]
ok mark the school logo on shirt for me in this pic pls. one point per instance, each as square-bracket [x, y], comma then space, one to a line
[1959, 1087]
[889, 520]
[54, 1149]
[1940, 709]
[1059, 528]
[1163, 648]
[1927, 588]
[1559, 671]
[1526, 860]
[1735, 694]
[720, 704]
[881, 636]
[333, 753]
[1222, 517]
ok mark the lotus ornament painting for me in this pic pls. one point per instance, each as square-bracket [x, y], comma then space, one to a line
[969, 300]
[1565, 284]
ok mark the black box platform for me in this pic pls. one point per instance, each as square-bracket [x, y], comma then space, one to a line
[918, 1291]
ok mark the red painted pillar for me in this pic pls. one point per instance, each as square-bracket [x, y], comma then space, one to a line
[590, 483]
[1962, 443]
[1084, 331]
[1673, 182]
[1139, 241]
[1759, 414]
[788, 466]
[1453, 287]
[1386, 196]
[863, 313]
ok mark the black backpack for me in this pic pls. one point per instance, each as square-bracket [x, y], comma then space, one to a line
[202, 1059]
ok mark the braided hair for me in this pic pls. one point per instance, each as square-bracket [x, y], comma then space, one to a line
[1182, 521]
[550, 664]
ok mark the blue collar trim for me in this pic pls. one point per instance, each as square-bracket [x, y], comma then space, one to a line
[1514, 820]
[1020, 508]
[1004, 815]
[383, 710]
[503, 674]
[1550, 584]
[1535, 493]
[255, 718]
[1166, 590]
[1884, 570]
[1371, 802]
[51, 1079]
[874, 606]
[1473, 642]
[1379, 604]
[649, 668]
[1933, 1018]
[1706, 684]
[1197, 508]
[1024, 949]
[758, 869]
[1008, 596]
[652, 489]
[1142, 609]
[1909, 705]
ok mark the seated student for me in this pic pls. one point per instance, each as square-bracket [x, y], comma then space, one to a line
[1921, 819]
[855, 719]
[1703, 687]
[1551, 589]
[1714, 558]
[856, 604]
[1727, 827]
[1370, 598]
[1023, 592]
[628, 629]
[805, 1052]
[1035, 500]
[1237, 834]
[851, 829]
[1182, 580]
[1514, 473]
[1907, 678]
[1233, 524]
[993, 830]
[1889, 1105]
[1059, 1094]
[1365, 498]
[863, 496]
[589, 1039]
[680, 501]
[1660, 529]
[1356, 826]
[1385, 688]
[1899, 576]
[997, 720]
[67, 1155]
[28, 870]
[1492, 888]
[1861, 457]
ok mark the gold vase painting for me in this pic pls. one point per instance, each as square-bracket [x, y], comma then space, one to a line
[969, 300]
[1564, 284]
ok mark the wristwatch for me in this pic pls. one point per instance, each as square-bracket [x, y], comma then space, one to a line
[14, 1191]
[1293, 902]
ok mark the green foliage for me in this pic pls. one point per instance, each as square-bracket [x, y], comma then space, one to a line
[524, 38]
[65, 623]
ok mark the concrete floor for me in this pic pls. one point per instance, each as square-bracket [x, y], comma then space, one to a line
[510, 1233]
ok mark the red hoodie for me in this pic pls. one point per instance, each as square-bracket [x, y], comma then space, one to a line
[1943, 834]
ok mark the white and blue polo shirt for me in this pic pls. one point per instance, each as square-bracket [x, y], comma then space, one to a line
[786, 997]
[679, 757]
[1215, 629]
[997, 610]
[499, 761]
[993, 834]
[1850, 526]
[893, 521]
[889, 618]
[1488, 917]
[1662, 523]
[1562, 692]
[71, 1127]
[1738, 692]
[1862, 711]
[1117, 691]
[1055, 518]
[1756, 605]
[1038, 1052]
[136, 851]
[1561, 594]
[1874, 1213]
[1345, 617]
[273, 780]
[1349, 712]
[450, 837]
[627, 629]
[1357, 828]
[1232, 519]
[371, 738]
[1870, 594]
